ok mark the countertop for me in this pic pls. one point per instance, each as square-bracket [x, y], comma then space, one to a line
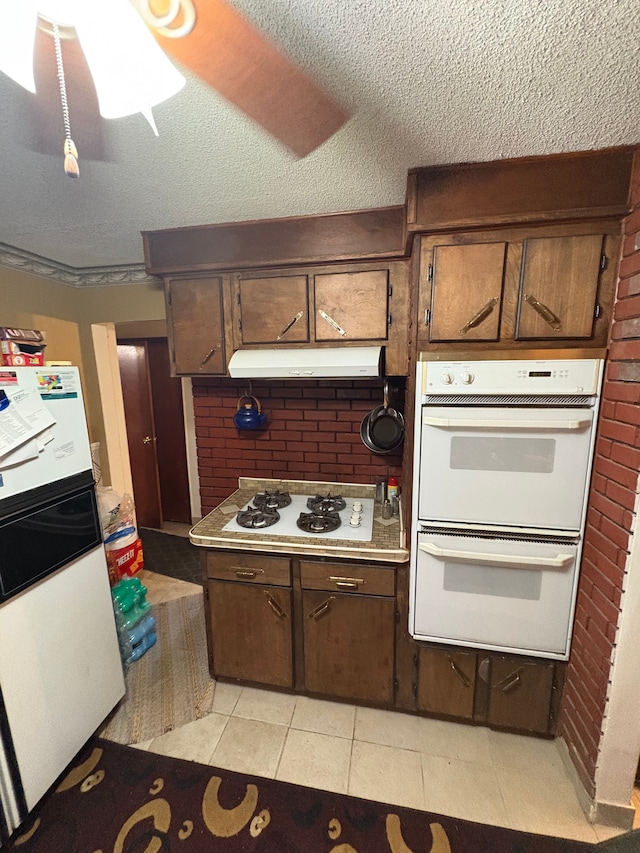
[388, 543]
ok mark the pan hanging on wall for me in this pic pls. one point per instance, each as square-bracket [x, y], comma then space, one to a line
[382, 430]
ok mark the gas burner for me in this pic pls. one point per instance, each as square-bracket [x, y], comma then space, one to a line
[318, 522]
[272, 500]
[326, 503]
[255, 517]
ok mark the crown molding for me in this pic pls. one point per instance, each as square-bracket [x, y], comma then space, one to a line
[74, 276]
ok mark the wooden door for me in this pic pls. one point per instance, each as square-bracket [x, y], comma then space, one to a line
[171, 449]
[141, 434]
[352, 306]
[520, 695]
[446, 682]
[273, 309]
[251, 634]
[558, 287]
[349, 645]
[466, 291]
[196, 324]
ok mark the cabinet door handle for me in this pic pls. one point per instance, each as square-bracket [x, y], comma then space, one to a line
[482, 314]
[346, 583]
[317, 613]
[273, 604]
[545, 312]
[208, 356]
[508, 683]
[461, 675]
[289, 325]
[332, 322]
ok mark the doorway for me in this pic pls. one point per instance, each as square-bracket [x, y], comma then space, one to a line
[153, 408]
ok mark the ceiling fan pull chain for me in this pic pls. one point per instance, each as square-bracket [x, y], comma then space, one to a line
[70, 151]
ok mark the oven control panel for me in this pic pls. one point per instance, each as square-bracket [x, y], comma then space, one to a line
[546, 376]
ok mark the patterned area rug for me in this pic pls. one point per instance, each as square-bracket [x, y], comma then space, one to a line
[129, 801]
[170, 685]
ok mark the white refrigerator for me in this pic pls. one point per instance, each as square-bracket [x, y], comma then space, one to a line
[60, 669]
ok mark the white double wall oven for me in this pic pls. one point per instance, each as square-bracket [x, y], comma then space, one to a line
[502, 464]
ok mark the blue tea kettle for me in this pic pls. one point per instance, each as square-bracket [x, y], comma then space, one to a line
[249, 414]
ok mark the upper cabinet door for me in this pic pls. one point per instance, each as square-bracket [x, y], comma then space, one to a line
[196, 325]
[274, 309]
[352, 306]
[466, 291]
[558, 286]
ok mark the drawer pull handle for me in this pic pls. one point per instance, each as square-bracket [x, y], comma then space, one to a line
[273, 604]
[461, 675]
[241, 572]
[318, 612]
[346, 583]
[511, 681]
[208, 356]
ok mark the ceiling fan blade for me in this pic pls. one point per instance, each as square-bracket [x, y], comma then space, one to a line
[44, 124]
[239, 62]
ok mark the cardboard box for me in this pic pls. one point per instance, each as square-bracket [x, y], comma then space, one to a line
[21, 347]
[124, 561]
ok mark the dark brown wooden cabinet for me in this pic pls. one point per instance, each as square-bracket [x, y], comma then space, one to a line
[342, 304]
[349, 620]
[514, 286]
[505, 691]
[250, 617]
[195, 312]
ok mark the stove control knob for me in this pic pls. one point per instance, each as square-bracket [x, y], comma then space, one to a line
[467, 378]
[447, 378]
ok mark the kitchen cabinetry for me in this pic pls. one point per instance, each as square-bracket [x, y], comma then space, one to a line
[249, 617]
[195, 313]
[505, 691]
[319, 306]
[349, 620]
[516, 285]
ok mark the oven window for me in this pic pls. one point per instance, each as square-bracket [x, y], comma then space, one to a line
[486, 453]
[41, 541]
[493, 580]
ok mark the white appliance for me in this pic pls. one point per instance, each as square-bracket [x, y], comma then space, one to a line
[60, 669]
[310, 363]
[501, 475]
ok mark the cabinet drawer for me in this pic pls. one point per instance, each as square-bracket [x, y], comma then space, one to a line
[368, 580]
[249, 568]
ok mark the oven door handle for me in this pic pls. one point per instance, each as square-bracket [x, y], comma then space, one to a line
[473, 423]
[557, 562]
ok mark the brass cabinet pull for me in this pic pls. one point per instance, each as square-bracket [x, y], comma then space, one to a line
[545, 312]
[317, 613]
[208, 356]
[332, 322]
[346, 583]
[273, 604]
[461, 675]
[482, 314]
[147, 439]
[289, 325]
[243, 573]
[507, 684]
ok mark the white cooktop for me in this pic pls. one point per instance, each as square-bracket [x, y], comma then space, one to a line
[287, 526]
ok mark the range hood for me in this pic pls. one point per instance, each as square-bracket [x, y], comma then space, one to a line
[320, 363]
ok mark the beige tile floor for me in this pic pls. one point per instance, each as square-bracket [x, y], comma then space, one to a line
[464, 771]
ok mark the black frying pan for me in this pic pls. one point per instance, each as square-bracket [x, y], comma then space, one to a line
[382, 430]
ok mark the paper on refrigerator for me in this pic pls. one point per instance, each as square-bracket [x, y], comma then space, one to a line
[24, 418]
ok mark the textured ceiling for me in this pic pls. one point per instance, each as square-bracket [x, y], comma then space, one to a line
[427, 81]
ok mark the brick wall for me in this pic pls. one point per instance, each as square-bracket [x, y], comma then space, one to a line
[312, 433]
[610, 519]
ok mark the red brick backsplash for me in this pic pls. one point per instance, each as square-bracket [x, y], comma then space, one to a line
[312, 433]
[610, 519]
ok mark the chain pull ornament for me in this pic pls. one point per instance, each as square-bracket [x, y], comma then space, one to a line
[71, 167]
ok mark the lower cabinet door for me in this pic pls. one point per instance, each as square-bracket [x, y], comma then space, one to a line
[446, 682]
[251, 632]
[520, 694]
[349, 645]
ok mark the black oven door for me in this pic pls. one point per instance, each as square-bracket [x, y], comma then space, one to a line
[45, 529]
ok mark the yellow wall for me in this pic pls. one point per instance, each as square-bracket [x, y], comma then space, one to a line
[65, 314]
